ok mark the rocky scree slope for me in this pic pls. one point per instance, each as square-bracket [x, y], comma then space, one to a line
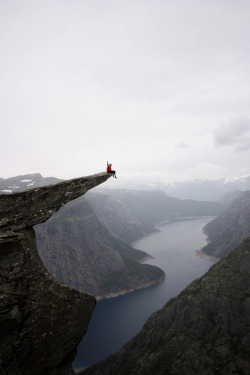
[230, 228]
[205, 330]
[79, 251]
[41, 320]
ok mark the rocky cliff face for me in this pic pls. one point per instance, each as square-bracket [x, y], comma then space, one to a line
[41, 320]
[203, 331]
[230, 228]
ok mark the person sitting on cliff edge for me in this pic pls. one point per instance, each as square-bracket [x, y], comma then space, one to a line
[109, 169]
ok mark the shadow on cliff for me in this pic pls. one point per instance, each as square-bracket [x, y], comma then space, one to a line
[42, 320]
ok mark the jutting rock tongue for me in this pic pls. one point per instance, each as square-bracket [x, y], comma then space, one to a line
[42, 321]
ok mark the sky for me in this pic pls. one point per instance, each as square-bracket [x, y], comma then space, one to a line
[159, 88]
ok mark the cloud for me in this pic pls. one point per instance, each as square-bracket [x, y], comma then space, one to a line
[140, 83]
[236, 134]
[182, 145]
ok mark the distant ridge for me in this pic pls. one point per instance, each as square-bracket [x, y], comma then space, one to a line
[197, 189]
[25, 182]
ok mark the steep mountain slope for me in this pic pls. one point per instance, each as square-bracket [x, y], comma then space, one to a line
[229, 197]
[41, 320]
[129, 214]
[204, 330]
[80, 252]
[230, 228]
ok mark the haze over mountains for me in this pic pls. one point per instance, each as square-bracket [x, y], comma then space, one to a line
[130, 214]
[86, 243]
[104, 264]
[197, 189]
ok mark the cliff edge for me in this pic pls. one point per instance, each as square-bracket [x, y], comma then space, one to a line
[42, 321]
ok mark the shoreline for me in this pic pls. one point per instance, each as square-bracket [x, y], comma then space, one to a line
[131, 290]
[200, 254]
[169, 221]
[156, 230]
[148, 284]
[144, 236]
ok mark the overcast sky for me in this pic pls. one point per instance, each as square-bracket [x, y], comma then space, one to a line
[161, 88]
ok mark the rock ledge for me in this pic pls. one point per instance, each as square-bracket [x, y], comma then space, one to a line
[42, 321]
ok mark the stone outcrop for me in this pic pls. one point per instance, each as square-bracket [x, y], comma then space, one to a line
[41, 320]
[203, 331]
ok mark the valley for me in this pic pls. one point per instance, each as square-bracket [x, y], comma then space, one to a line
[87, 245]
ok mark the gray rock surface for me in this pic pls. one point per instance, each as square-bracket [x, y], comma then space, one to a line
[41, 320]
[203, 331]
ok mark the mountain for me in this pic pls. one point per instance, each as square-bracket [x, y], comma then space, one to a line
[211, 190]
[105, 265]
[130, 214]
[204, 330]
[228, 198]
[42, 321]
[230, 228]
[28, 181]
[79, 251]
[65, 244]
[198, 189]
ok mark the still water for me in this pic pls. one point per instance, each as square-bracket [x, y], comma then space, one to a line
[115, 321]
